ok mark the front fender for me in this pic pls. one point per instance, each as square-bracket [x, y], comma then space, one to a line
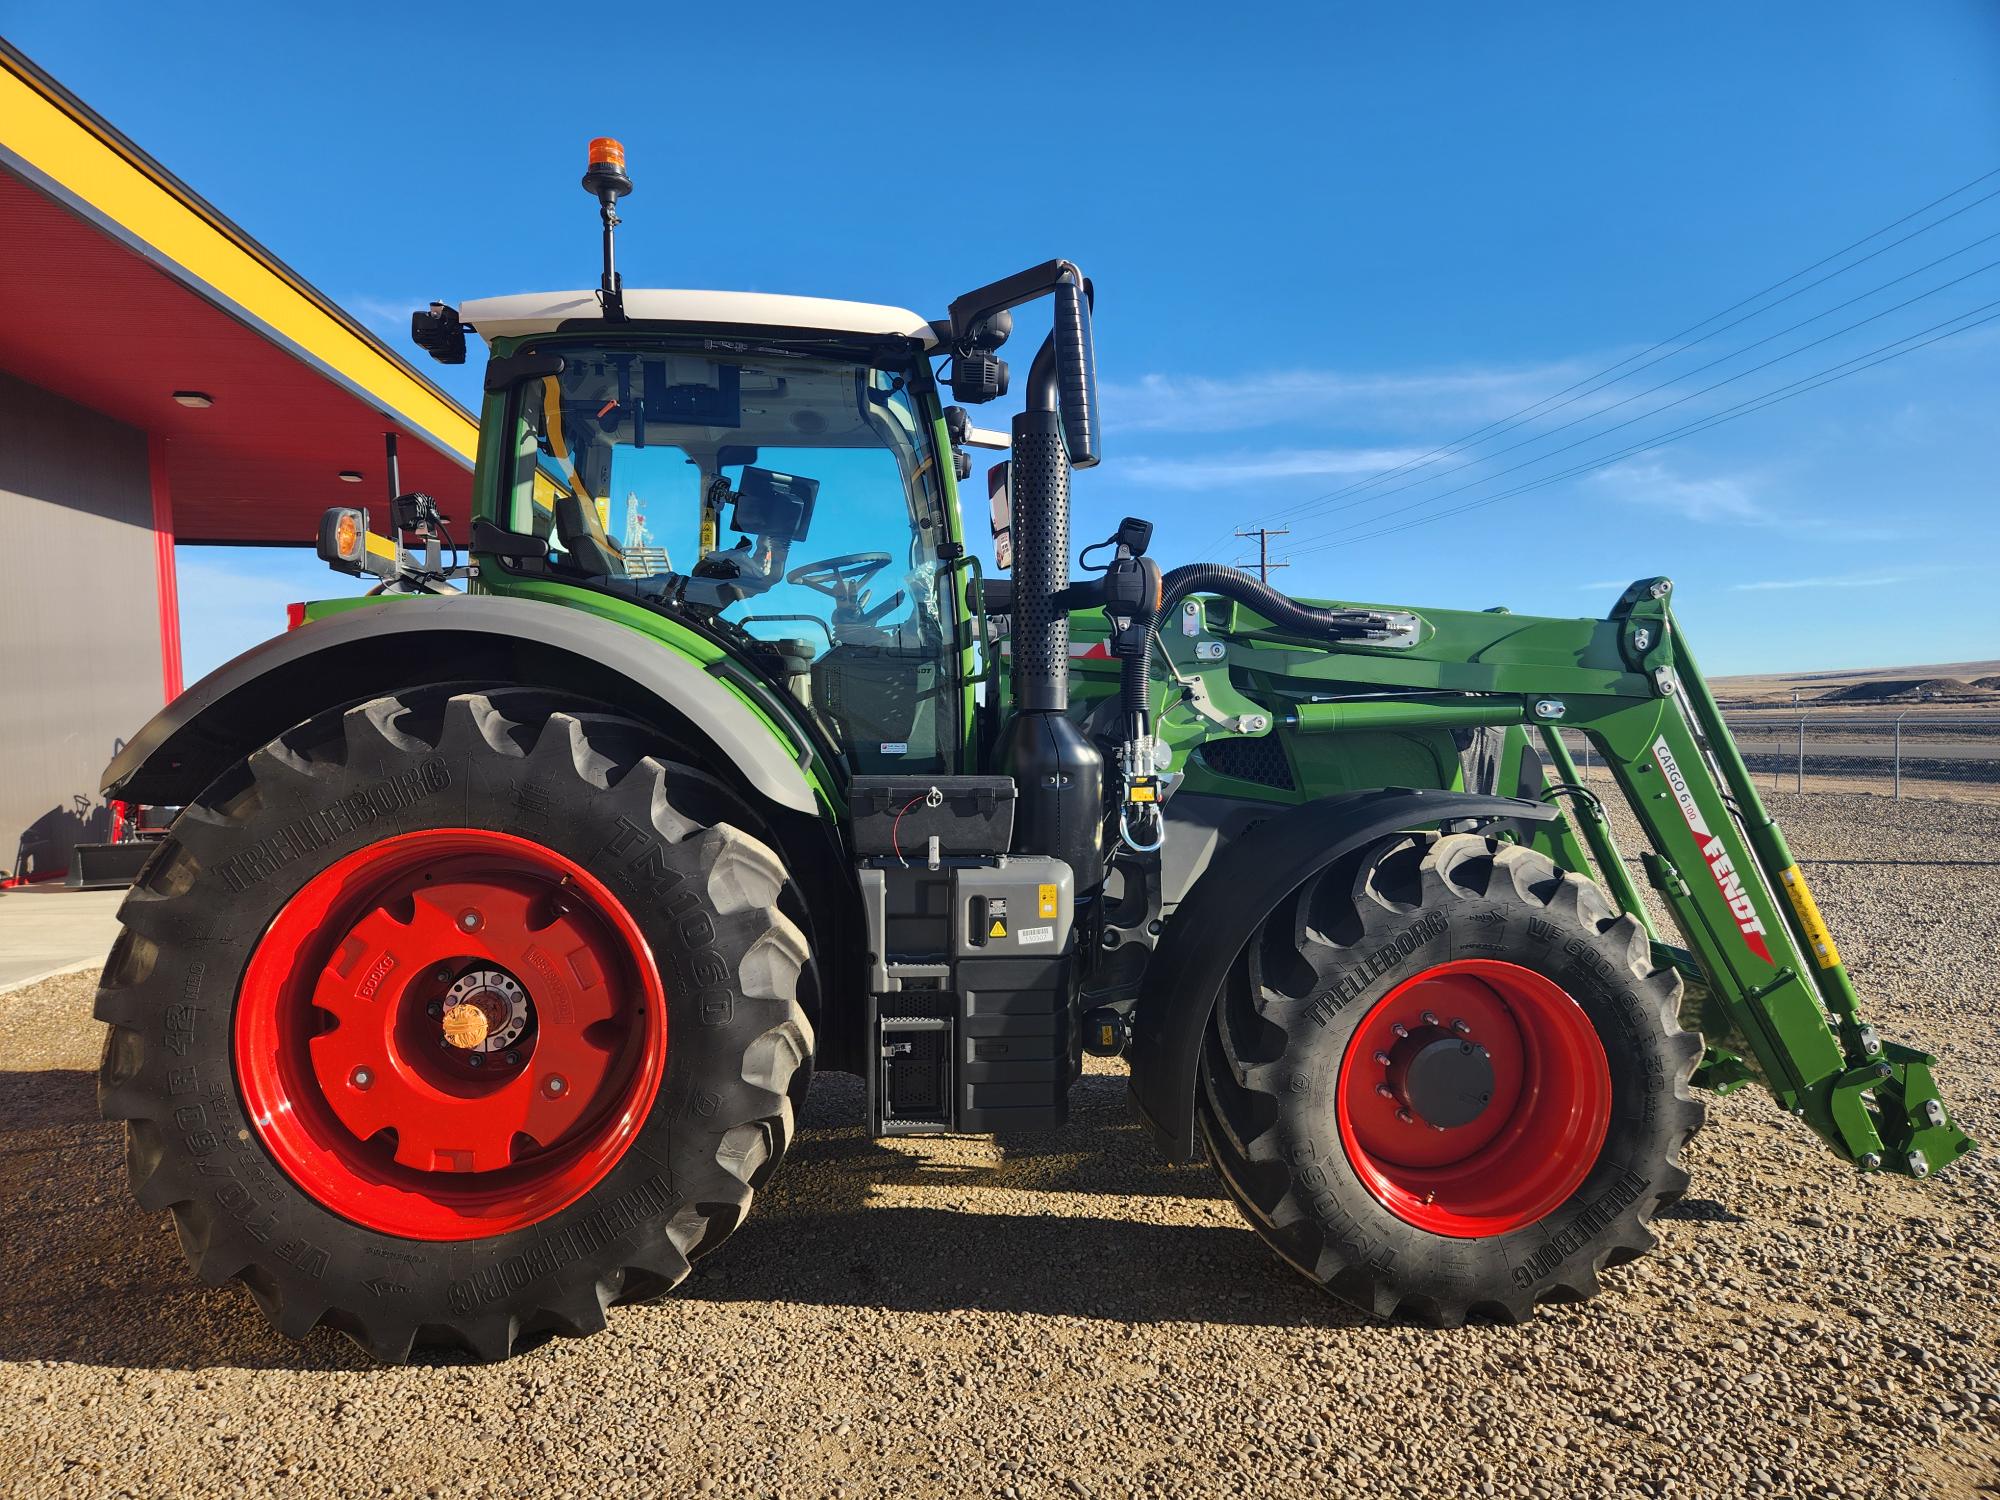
[412, 642]
[1244, 880]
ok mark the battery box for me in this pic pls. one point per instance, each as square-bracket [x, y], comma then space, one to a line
[899, 816]
[969, 1008]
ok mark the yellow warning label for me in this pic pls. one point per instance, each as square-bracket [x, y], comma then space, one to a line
[1046, 901]
[1794, 881]
[999, 930]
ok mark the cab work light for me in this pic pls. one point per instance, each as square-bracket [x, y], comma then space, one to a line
[348, 546]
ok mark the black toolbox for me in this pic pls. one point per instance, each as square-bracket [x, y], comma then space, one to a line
[898, 816]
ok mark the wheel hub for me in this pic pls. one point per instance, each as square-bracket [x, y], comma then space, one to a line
[486, 1011]
[1444, 1080]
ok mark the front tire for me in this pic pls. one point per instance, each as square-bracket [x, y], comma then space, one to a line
[1445, 1079]
[455, 1019]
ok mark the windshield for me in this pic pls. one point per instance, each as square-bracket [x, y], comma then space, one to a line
[790, 504]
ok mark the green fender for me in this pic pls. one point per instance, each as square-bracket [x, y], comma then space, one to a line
[365, 653]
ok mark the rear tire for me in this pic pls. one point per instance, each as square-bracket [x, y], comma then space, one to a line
[275, 1054]
[1571, 1065]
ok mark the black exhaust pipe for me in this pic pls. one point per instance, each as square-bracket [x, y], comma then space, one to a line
[1059, 774]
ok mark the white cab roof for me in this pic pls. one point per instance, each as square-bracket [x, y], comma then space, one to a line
[539, 312]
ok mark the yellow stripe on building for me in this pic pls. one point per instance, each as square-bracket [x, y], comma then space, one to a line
[85, 157]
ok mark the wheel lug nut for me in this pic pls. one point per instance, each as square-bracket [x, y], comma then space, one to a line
[361, 1078]
[475, 1059]
[1400, 1029]
[554, 1085]
[1406, 1117]
[444, 976]
[1385, 1091]
[1430, 1018]
[513, 1059]
[435, 1009]
[470, 920]
[1382, 1059]
[1462, 1028]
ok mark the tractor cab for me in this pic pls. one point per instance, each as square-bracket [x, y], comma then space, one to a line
[765, 471]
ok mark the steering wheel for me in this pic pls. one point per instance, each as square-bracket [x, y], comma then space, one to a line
[841, 577]
[844, 579]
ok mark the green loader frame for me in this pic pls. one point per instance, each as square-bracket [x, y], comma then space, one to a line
[1764, 982]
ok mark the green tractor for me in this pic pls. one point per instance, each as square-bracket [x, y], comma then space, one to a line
[479, 983]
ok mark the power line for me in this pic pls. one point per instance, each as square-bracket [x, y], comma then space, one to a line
[1264, 535]
[1663, 406]
[1720, 359]
[1576, 390]
[1748, 407]
[1529, 413]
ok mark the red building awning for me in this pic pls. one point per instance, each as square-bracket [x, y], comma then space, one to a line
[120, 287]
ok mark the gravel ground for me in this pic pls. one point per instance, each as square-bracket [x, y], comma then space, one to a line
[1069, 1317]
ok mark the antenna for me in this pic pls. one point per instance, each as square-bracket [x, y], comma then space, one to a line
[605, 178]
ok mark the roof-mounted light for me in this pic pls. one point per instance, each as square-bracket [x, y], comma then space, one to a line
[605, 180]
[605, 176]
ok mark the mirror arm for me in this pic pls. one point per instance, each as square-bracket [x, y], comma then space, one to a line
[999, 296]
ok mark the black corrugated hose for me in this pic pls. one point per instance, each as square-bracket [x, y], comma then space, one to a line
[1231, 583]
[1286, 614]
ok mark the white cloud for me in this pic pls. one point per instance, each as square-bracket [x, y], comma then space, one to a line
[1832, 581]
[387, 315]
[1220, 470]
[1200, 403]
[1721, 497]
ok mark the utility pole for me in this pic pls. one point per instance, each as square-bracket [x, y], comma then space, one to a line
[1264, 535]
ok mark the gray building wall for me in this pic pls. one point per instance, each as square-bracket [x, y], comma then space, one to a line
[79, 618]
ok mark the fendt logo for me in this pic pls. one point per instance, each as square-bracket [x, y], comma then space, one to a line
[1727, 878]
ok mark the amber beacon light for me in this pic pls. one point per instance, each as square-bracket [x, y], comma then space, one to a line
[605, 176]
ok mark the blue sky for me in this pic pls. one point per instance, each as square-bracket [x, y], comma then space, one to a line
[1327, 240]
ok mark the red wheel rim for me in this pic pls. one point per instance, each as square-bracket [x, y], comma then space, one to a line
[353, 1085]
[1533, 1143]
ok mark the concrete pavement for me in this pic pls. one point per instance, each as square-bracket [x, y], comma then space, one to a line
[51, 929]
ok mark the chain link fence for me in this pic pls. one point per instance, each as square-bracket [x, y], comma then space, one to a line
[1905, 755]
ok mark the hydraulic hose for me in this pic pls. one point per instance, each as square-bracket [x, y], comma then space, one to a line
[1133, 686]
[1286, 614]
[1231, 583]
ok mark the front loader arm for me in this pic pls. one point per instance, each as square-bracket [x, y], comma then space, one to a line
[1776, 986]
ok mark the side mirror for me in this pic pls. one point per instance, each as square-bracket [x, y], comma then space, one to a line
[1000, 508]
[1076, 373]
[979, 322]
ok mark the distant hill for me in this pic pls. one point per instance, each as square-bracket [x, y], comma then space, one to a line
[1961, 685]
[1913, 690]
